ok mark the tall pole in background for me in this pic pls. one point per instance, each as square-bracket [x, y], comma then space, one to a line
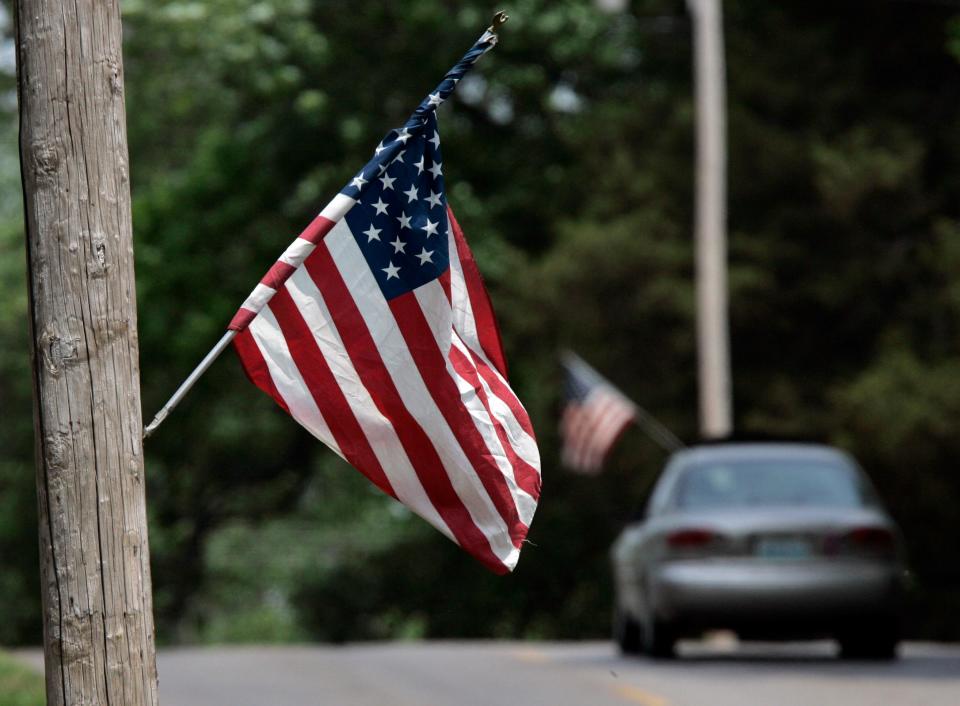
[713, 330]
[98, 628]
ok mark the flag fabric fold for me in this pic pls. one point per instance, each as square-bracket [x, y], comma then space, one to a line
[595, 414]
[374, 331]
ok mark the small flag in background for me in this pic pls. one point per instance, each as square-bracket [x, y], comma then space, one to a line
[374, 331]
[594, 416]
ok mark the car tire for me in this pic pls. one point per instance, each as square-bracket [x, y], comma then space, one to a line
[626, 633]
[870, 643]
[660, 640]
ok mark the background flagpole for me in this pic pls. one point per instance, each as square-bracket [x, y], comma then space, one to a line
[660, 434]
[189, 382]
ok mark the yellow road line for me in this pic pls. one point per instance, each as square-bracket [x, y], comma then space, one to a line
[532, 656]
[639, 696]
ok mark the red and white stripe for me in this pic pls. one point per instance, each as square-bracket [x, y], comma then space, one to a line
[412, 391]
[591, 426]
[294, 256]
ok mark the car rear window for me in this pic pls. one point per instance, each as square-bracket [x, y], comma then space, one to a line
[769, 482]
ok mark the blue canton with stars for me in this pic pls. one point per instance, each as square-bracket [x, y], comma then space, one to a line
[400, 221]
[400, 218]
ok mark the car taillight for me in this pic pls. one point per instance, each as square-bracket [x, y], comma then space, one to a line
[690, 538]
[873, 541]
[871, 538]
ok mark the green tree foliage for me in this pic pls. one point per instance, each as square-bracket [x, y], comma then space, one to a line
[569, 156]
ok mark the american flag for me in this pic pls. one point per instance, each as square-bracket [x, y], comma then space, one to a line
[374, 331]
[594, 416]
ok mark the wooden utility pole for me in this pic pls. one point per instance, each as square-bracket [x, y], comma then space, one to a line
[713, 328]
[95, 564]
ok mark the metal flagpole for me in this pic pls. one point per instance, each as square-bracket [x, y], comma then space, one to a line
[662, 436]
[188, 383]
[498, 19]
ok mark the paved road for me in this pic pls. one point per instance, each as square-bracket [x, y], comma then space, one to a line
[552, 674]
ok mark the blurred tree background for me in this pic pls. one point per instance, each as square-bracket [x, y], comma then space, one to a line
[570, 155]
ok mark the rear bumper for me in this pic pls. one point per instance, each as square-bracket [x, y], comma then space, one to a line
[805, 596]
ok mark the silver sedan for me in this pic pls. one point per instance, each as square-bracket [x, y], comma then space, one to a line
[772, 541]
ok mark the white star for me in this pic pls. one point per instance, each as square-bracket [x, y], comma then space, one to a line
[380, 148]
[403, 136]
[372, 233]
[358, 180]
[398, 246]
[425, 257]
[435, 169]
[380, 206]
[433, 199]
[435, 99]
[399, 157]
[435, 140]
[387, 181]
[419, 165]
[404, 220]
[411, 194]
[430, 228]
[392, 271]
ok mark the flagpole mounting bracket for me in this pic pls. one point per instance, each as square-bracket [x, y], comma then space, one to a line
[498, 20]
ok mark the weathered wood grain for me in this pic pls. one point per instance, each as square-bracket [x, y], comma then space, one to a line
[98, 620]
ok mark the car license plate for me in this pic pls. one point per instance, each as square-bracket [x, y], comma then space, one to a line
[783, 548]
